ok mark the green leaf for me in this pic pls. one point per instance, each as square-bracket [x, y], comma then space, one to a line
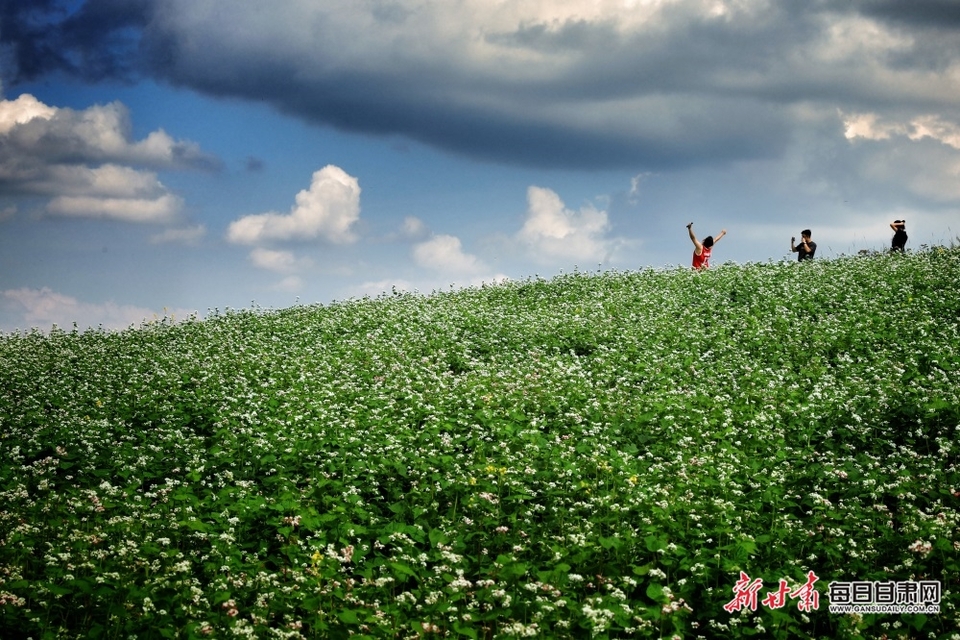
[917, 621]
[655, 543]
[464, 630]
[437, 536]
[195, 525]
[749, 547]
[81, 585]
[610, 543]
[655, 591]
[349, 616]
[402, 568]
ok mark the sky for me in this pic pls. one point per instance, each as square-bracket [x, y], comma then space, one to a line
[164, 158]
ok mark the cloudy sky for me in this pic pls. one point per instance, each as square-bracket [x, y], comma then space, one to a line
[175, 156]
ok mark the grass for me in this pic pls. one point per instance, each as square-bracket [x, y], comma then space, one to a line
[598, 455]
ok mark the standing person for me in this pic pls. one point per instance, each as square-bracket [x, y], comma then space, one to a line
[806, 248]
[899, 235]
[702, 250]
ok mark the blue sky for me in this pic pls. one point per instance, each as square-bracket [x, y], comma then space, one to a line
[170, 157]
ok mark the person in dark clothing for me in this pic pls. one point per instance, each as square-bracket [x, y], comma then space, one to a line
[806, 248]
[899, 235]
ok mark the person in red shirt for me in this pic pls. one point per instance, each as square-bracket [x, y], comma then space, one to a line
[702, 250]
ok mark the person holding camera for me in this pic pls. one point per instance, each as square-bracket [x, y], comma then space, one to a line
[806, 248]
[702, 250]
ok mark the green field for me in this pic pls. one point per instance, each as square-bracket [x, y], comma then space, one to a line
[597, 455]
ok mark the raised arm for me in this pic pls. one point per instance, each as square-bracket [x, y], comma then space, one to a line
[722, 233]
[693, 238]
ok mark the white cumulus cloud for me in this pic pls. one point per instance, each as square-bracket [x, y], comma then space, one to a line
[279, 261]
[289, 284]
[872, 126]
[87, 162]
[414, 228]
[444, 256]
[184, 235]
[24, 109]
[161, 209]
[328, 210]
[374, 288]
[445, 253]
[27, 308]
[554, 234]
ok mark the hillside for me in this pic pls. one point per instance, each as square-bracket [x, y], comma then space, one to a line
[598, 454]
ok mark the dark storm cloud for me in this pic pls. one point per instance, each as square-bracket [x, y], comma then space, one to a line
[933, 27]
[684, 114]
[568, 84]
[96, 40]
[941, 14]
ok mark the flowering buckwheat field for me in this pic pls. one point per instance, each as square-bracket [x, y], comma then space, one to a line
[600, 455]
